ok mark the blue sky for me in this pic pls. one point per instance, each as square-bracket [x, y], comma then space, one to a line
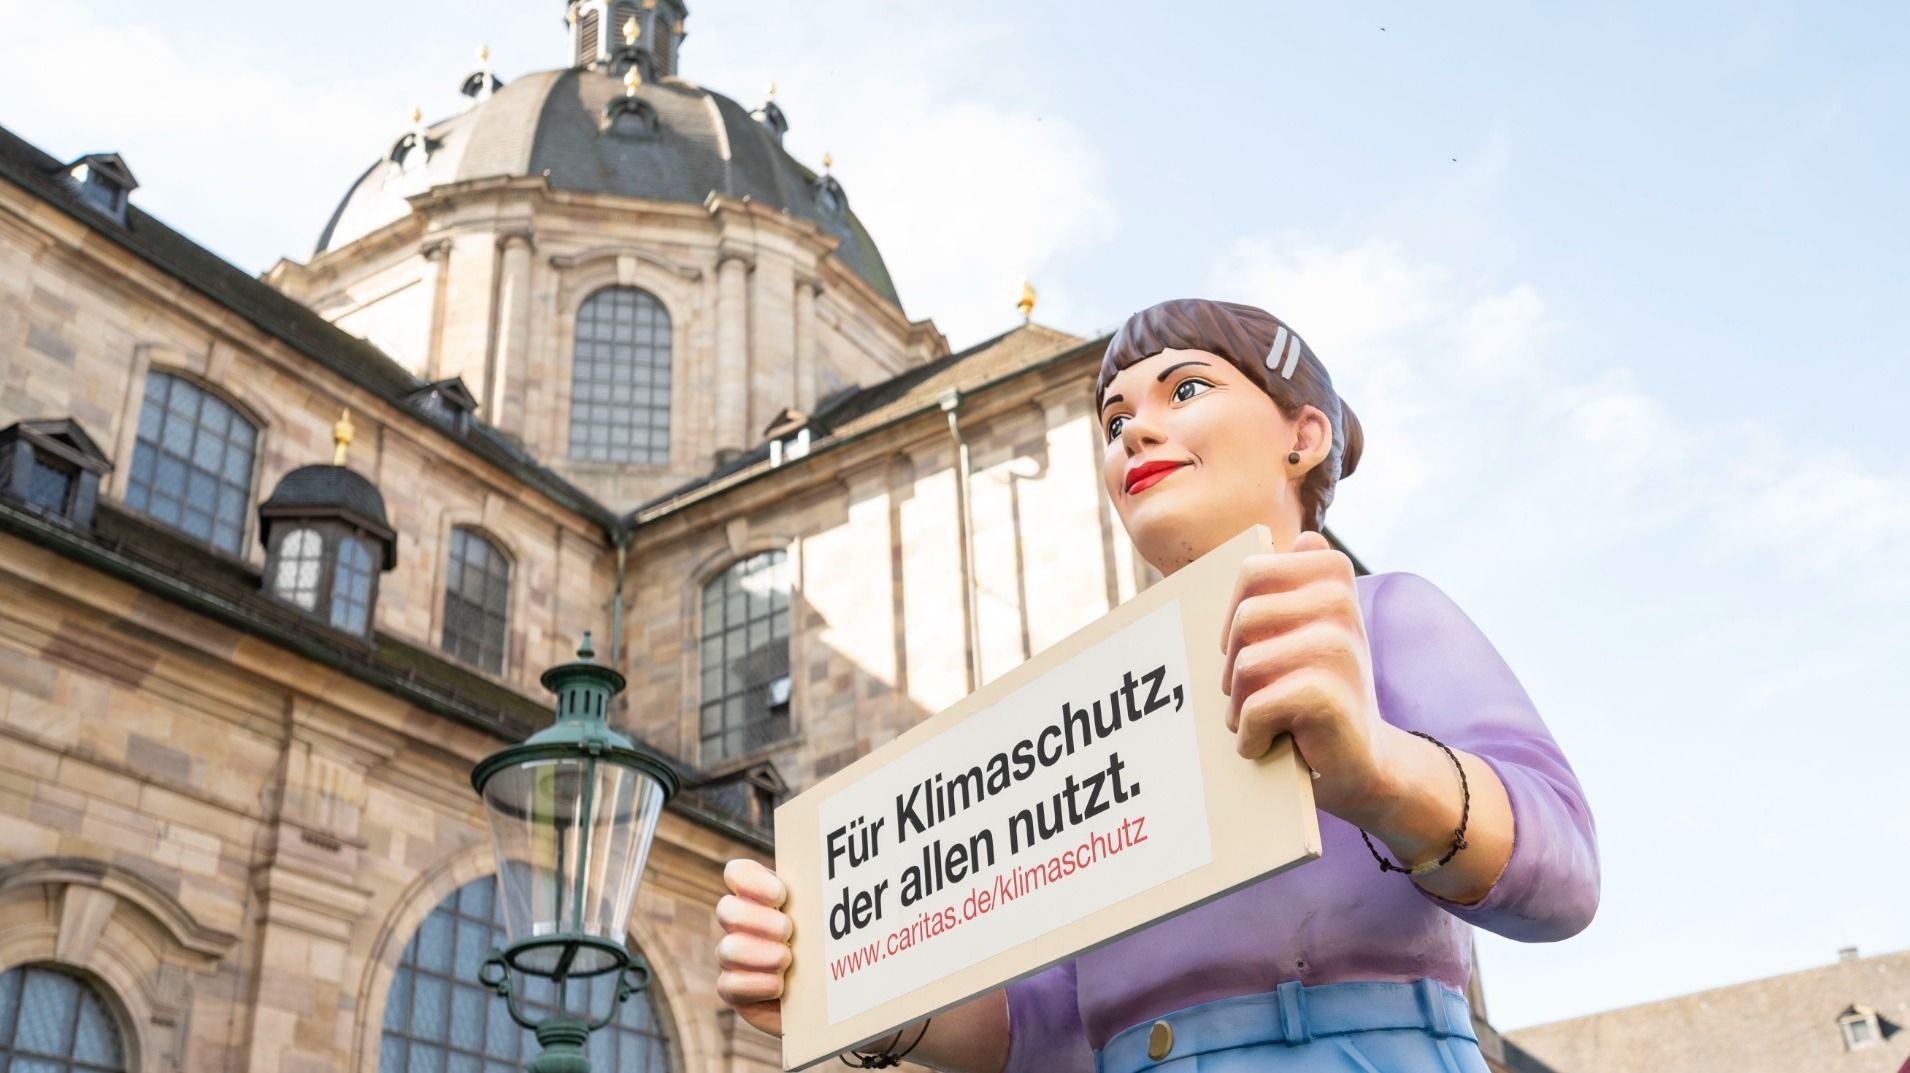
[1620, 297]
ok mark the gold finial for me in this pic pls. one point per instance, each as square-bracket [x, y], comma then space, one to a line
[631, 31]
[772, 91]
[828, 161]
[484, 53]
[1027, 302]
[631, 80]
[341, 437]
[417, 115]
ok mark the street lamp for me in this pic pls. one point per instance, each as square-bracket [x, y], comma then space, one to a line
[572, 809]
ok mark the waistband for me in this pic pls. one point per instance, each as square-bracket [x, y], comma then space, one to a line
[1292, 1013]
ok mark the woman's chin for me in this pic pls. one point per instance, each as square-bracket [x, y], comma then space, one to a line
[1171, 531]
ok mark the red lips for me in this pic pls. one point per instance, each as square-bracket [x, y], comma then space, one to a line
[1148, 474]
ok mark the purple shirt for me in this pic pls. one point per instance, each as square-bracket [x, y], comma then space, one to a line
[1340, 918]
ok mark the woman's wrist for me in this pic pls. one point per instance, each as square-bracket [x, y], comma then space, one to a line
[1419, 805]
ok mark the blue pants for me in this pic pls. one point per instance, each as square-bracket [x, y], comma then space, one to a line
[1421, 1027]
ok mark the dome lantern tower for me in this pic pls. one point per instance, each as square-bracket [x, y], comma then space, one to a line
[601, 35]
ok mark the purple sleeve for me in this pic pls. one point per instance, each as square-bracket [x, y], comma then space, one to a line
[1044, 1025]
[1434, 671]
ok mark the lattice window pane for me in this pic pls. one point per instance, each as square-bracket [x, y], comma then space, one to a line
[620, 379]
[351, 585]
[54, 1022]
[301, 557]
[49, 486]
[468, 1030]
[476, 601]
[745, 657]
[192, 462]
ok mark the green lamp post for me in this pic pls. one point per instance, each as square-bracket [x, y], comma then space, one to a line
[572, 810]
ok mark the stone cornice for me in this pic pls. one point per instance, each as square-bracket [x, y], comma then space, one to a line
[612, 253]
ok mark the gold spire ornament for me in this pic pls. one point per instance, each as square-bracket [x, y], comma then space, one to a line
[828, 161]
[484, 53]
[631, 80]
[631, 31]
[1027, 301]
[772, 91]
[417, 115]
[341, 438]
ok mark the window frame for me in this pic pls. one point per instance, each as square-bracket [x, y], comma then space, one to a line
[110, 1007]
[751, 747]
[1866, 1018]
[332, 537]
[654, 359]
[454, 914]
[503, 552]
[241, 412]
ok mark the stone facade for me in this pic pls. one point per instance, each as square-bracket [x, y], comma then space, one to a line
[1781, 1024]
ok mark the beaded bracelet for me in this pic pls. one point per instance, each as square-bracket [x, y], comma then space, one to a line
[1458, 839]
[887, 1056]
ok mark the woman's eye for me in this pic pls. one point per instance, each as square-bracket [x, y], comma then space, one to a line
[1189, 388]
[1115, 425]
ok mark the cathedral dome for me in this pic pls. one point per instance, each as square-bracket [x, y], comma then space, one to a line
[587, 130]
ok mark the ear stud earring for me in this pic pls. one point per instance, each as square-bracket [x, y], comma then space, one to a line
[1293, 458]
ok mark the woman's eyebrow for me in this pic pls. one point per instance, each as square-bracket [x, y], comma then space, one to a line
[1111, 400]
[1162, 379]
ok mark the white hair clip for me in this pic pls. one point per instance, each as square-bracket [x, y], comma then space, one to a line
[1284, 339]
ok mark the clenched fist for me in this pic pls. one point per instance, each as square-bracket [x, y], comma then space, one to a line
[754, 951]
[1298, 662]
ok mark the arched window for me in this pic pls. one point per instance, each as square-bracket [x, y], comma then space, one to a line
[438, 1017]
[746, 683]
[620, 379]
[51, 1021]
[192, 462]
[477, 590]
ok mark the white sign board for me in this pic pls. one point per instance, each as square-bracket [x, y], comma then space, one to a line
[1085, 794]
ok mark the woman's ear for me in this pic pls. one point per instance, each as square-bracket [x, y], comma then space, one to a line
[1312, 436]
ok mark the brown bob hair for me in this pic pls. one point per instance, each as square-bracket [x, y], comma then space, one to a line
[1247, 337]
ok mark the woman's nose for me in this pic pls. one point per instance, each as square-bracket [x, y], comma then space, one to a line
[1138, 432]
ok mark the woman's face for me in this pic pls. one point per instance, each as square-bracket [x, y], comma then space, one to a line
[1196, 452]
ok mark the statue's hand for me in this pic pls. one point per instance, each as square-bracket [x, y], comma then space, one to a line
[754, 951]
[1298, 662]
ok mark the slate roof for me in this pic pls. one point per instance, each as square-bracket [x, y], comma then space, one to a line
[279, 316]
[549, 124]
[329, 491]
[858, 410]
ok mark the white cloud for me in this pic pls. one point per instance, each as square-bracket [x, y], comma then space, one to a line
[1477, 424]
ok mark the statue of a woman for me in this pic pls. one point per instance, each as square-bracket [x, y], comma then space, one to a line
[1445, 804]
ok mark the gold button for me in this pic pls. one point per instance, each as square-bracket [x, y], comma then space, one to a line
[1160, 1040]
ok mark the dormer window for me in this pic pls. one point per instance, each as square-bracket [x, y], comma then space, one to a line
[104, 183]
[447, 402]
[326, 542]
[53, 467]
[1861, 1028]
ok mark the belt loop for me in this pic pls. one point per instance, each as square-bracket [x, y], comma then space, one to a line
[1293, 1012]
[1432, 1006]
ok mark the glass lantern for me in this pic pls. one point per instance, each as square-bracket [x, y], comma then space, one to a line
[572, 812]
